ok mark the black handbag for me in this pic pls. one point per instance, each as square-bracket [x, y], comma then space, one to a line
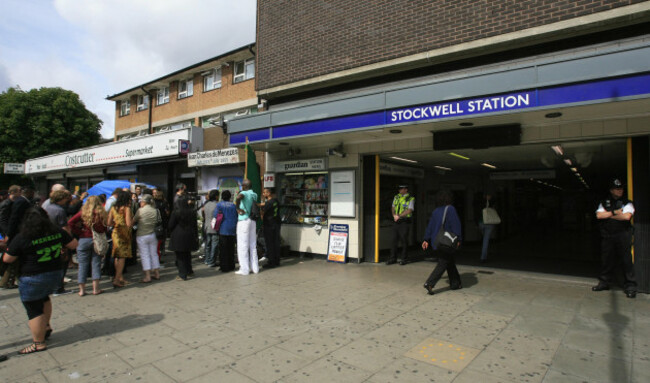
[159, 229]
[445, 240]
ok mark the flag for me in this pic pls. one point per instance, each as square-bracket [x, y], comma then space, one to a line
[252, 171]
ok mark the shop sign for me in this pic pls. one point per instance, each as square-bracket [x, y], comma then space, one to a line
[12, 168]
[300, 165]
[398, 170]
[338, 243]
[183, 146]
[523, 175]
[153, 146]
[492, 104]
[269, 180]
[213, 157]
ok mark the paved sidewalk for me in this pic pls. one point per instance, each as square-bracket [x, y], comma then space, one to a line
[313, 321]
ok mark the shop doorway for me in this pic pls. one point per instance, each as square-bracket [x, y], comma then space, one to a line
[546, 195]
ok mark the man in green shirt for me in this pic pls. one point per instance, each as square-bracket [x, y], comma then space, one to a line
[246, 231]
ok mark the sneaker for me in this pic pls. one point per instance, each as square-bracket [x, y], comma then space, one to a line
[239, 272]
[67, 280]
[263, 259]
[62, 292]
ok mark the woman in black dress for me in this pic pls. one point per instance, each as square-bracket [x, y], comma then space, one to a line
[184, 235]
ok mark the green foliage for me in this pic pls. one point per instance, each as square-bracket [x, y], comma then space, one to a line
[42, 122]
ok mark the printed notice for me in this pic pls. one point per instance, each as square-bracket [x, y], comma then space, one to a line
[338, 244]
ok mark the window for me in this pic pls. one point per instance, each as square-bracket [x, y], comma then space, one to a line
[143, 102]
[176, 126]
[244, 70]
[125, 107]
[163, 95]
[212, 121]
[212, 80]
[185, 88]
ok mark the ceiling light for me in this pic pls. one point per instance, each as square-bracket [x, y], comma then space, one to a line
[558, 150]
[403, 159]
[283, 143]
[488, 165]
[395, 131]
[466, 124]
[575, 170]
[442, 168]
[553, 115]
[568, 162]
[458, 156]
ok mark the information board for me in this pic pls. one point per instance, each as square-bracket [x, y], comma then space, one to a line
[342, 202]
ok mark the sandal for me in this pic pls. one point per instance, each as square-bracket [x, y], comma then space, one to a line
[82, 293]
[98, 292]
[34, 347]
[156, 278]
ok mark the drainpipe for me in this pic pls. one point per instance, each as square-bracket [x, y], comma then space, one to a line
[150, 108]
[250, 49]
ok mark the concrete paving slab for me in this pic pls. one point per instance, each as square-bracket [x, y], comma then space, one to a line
[591, 366]
[470, 376]
[314, 344]
[222, 375]
[151, 350]
[101, 368]
[408, 370]
[36, 378]
[193, 363]
[553, 376]
[398, 335]
[510, 367]
[19, 367]
[146, 373]
[368, 355]
[269, 364]
[328, 370]
[641, 370]
[245, 343]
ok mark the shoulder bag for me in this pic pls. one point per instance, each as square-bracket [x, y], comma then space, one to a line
[159, 229]
[446, 240]
[100, 242]
[490, 215]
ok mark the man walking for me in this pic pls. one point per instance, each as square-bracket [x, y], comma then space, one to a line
[246, 231]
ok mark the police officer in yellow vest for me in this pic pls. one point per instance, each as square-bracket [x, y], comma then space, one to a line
[402, 209]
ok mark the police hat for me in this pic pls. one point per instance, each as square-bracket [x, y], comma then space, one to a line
[616, 183]
[403, 186]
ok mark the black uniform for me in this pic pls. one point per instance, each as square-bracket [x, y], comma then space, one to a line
[271, 227]
[616, 246]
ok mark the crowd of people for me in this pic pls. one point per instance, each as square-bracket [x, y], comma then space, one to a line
[99, 235]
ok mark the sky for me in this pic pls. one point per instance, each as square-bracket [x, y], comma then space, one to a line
[98, 48]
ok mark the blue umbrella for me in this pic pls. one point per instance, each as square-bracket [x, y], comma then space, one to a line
[107, 187]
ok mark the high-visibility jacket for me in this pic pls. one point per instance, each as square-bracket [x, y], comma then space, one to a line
[402, 203]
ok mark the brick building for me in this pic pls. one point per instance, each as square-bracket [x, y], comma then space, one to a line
[536, 102]
[192, 104]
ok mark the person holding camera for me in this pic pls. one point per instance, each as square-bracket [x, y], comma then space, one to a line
[614, 214]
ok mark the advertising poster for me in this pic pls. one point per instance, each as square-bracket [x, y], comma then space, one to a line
[337, 249]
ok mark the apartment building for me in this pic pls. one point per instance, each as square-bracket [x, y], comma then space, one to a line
[160, 122]
[538, 103]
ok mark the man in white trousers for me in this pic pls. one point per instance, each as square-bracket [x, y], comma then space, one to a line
[246, 231]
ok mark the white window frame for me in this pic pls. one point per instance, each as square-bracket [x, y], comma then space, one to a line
[248, 71]
[143, 102]
[185, 88]
[125, 107]
[212, 80]
[163, 95]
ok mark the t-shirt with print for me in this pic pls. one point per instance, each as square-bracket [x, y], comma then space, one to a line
[250, 197]
[39, 255]
[57, 214]
[271, 210]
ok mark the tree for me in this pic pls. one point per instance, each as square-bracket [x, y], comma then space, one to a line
[44, 121]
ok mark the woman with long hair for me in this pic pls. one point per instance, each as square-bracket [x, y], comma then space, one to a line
[184, 235]
[37, 248]
[444, 217]
[227, 232]
[121, 218]
[146, 218]
[92, 216]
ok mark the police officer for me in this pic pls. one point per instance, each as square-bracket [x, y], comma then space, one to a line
[614, 214]
[402, 210]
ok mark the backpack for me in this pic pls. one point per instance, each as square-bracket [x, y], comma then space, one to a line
[5, 215]
[255, 212]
